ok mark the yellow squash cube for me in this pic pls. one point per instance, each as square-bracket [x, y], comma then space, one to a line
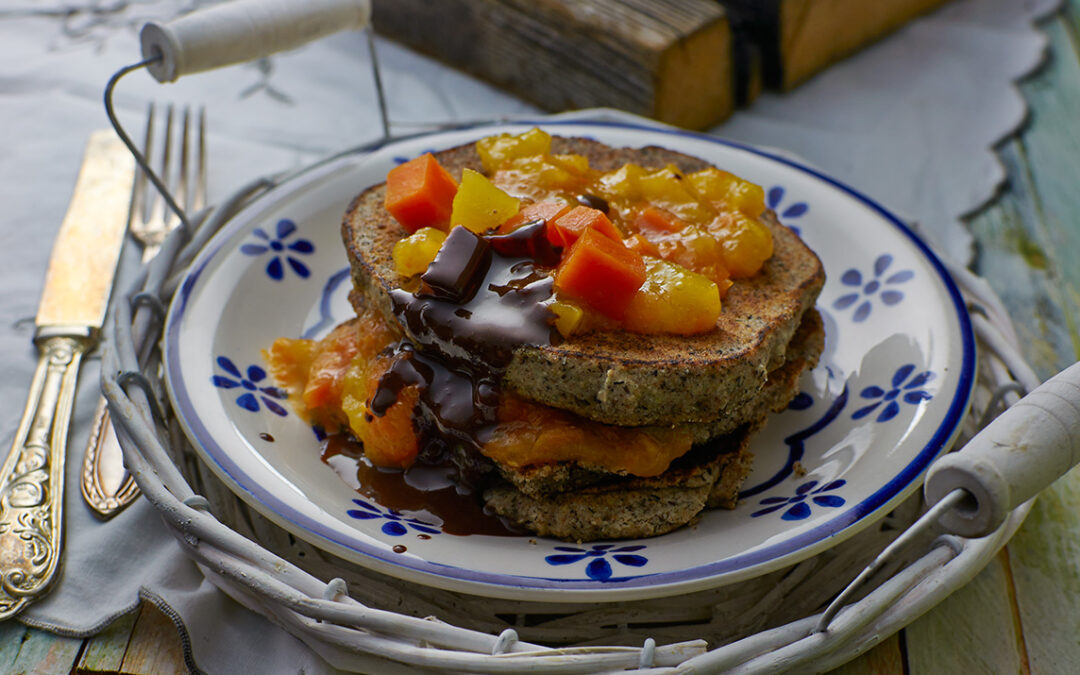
[673, 300]
[498, 151]
[479, 205]
[414, 253]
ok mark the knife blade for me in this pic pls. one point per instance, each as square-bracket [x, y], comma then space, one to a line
[70, 314]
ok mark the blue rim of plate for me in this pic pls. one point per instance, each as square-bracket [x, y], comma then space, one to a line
[490, 584]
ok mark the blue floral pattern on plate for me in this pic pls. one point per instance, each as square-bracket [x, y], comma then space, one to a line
[774, 198]
[901, 389]
[396, 525]
[798, 508]
[598, 568]
[278, 248]
[796, 442]
[868, 290]
[249, 382]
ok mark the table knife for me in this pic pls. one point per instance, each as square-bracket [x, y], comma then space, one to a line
[69, 319]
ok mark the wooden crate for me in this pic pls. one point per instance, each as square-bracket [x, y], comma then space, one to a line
[666, 59]
[685, 62]
[799, 38]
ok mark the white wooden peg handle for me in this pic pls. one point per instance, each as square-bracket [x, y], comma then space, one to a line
[1016, 456]
[244, 30]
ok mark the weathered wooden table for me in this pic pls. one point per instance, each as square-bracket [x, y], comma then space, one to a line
[1022, 613]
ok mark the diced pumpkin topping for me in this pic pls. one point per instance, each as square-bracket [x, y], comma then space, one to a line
[314, 371]
[600, 272]
[420, 193]
[745, 242]
[414, 253]
[479, 205]
[568, 317]
[667, 189]
[498, 151]
[530, 434]
[546, 211]
[673, 300]
[636, 242]
[565, 230]
[656, 219]
[728, 190]
[703, 226]
[335, 377]
[389, 440]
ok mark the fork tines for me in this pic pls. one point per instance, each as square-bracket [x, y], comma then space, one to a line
[184, 178]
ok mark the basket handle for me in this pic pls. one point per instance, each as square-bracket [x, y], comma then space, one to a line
[244, 30]
[1023, 451]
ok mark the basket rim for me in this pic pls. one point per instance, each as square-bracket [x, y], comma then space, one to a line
[679, 582]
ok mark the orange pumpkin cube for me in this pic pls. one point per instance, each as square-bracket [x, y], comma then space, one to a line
[601, 272]
[420, 193]
[565, 230]
[548, 211]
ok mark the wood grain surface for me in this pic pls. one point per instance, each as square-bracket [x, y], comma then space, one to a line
[665, 59]
[1022, 613]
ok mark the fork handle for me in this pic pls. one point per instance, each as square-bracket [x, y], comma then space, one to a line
[106, 486]
[32, 482]
[244, 30]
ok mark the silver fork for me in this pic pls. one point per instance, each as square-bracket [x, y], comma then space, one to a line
[106, 485]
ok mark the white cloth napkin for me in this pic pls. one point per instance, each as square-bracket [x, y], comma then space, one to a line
[910, 121]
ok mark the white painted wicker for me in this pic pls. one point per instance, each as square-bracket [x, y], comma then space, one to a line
[361, 620]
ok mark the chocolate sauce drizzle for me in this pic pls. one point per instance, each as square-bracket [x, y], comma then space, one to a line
[480, 298]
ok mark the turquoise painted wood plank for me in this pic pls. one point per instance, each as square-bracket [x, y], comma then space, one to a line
[1050, 150]
[12, 634]
[1045, 557]
[104, 653]
[154, 648]
[1028, 240]
[1013, 259]
[43, 653]
[1045, 204]
[971, 631]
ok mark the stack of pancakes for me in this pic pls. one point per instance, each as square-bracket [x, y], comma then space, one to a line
[720, 385]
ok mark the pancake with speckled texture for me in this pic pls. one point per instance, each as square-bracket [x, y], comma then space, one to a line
[616, 377]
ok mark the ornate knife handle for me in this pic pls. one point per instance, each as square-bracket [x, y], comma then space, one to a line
[32, 482]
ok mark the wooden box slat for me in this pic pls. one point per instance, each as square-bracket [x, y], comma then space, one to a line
[799, 38]
[685, 62]
[666, 59]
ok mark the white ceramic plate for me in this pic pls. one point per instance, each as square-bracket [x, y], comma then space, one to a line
[892, 387]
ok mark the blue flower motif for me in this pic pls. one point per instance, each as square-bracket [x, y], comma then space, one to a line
[799, 509]
[249, 382]
[802, 401]
[797, 441]
[775, 197]
[396, 524]
[889, 296]
[908, 391]
[278, 249]
[598, 568]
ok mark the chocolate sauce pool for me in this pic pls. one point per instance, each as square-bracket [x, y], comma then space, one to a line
[427, 493]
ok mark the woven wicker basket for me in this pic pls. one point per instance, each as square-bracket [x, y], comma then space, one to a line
[362, 620]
